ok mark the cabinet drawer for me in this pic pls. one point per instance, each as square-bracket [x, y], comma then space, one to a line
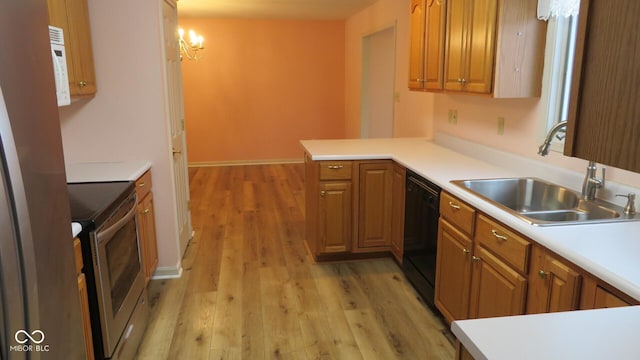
[143, 185]
[511, 247]
[457, 212]
[335, 170]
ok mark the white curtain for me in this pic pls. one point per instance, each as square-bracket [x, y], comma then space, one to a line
[550, 8]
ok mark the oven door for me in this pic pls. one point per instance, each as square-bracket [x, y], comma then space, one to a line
[119, 276]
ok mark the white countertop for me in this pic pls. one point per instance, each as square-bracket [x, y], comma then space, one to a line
[106, 171]
[609, 251]
[586, 334]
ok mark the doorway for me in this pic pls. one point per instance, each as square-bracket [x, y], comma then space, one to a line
[378, 83]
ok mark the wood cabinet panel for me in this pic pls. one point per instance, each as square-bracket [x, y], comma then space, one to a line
[375, 201]
[426, 54]
[603, 123]
[397, 211]
[147, 236]
[503, 242]
[497, 289]
[458, 213]
[335, 220]
[470, 45]
[84, 299]
[453, 272]
[605, 299]
[554, 285]
[335, 170]
[416, 44]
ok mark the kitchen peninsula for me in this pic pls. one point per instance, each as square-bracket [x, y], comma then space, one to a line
[604, 251]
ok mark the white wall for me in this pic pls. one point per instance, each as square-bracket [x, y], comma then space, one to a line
[126, 119]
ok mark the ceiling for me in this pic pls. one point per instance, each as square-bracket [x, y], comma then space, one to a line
[272, 9]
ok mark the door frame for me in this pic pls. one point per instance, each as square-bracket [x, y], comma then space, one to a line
[365, 80]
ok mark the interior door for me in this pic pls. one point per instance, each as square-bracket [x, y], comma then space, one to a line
[176, 118]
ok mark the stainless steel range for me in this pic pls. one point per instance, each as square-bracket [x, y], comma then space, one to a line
[115, 280]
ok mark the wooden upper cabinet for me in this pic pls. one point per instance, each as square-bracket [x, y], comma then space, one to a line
[604, 105]
[416, 44]
[73, 17]
[470, 45]
[493, 47]
[427, 44]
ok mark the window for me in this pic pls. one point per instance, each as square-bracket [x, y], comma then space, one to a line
[561, 38]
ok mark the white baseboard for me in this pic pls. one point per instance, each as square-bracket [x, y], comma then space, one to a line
[245, 162]
[167, 272]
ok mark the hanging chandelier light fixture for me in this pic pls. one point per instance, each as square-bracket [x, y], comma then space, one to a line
[190, 48]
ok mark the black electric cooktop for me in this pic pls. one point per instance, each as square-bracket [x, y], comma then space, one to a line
[92, 203]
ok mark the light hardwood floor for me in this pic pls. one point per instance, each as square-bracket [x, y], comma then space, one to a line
[250, 291]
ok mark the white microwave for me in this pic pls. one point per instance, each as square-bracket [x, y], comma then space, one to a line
[56, 37]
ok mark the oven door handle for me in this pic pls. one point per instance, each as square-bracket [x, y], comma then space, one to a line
[107, 233]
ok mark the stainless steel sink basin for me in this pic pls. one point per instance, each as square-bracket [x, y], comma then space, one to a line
[539, 202]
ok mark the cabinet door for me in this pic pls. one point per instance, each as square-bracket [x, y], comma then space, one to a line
[496, 289]
[480, 42]
[147, 236]
[435, 19]
[86, 317]
[453, 272]
[73, 17]
[397, 212]
[470, 45]
[605, 299]
[334, 225]
[416, 44]
[426, 52]
[554, 286]
[374, 222]
[603, 112]
[455, 44]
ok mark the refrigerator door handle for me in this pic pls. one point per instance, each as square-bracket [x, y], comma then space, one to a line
[17, 251]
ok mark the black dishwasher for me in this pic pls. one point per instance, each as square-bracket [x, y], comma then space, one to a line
[422, 199]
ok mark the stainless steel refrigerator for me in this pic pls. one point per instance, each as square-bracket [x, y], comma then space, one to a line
[40, 311]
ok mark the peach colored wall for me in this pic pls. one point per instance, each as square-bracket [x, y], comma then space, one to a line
[126, 119]
[413, 110]
[261, 86]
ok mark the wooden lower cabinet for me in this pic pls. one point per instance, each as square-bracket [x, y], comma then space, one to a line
[147, 233]
[374, 206]
[353, 209]
[146, 226]
[496, 289]
[553, 284]
[453, 272]
[334, 217]
[84, 300]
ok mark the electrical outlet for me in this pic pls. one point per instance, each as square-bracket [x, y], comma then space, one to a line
[501, 125]
[453, 116]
